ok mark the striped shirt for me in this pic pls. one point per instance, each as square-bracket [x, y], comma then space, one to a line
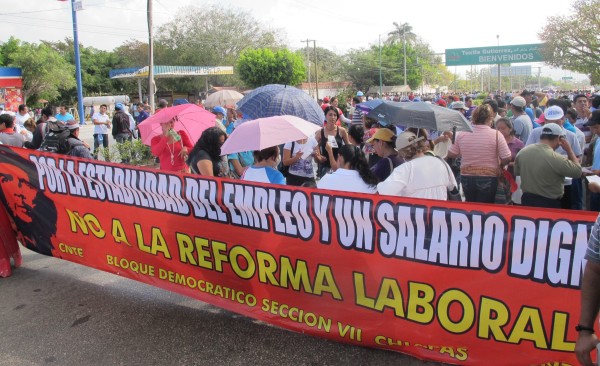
[593, 250]
[478, 150]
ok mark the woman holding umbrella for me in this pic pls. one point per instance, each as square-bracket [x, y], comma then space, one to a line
[171, 147]
[330, 138]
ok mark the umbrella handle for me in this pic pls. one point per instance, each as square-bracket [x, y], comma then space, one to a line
[453, 134]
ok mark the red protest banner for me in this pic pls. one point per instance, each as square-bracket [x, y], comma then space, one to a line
[451, 282]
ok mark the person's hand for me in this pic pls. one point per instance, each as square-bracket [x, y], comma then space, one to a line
[184, 153]
[564, 143]
[328, 148]
[299, 155]
[586, 342]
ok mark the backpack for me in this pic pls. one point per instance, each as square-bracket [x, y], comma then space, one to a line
[56, 140]
[285, 169]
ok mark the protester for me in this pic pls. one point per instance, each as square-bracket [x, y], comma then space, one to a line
[101, 122]
[238, 162]
[205, 158]
[543, 171]
[63, 115]
[353, 173]
[505, 127]
[421, 176]
[371, 126]
[8, 135]
[40, 130]
[77, 147]
[334, 102]
[590, 299]
[521, 121]
[299, 156]
[220, 113]
[332, 136]
[384, 143]
[171, 147]
[263, 170]
[481, 151]
[121, 124]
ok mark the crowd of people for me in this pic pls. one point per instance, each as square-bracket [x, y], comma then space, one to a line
[524, 148]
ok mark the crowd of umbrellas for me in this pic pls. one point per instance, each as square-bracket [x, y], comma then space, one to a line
[276, 114]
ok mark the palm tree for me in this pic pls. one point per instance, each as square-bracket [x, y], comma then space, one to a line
[402, 33]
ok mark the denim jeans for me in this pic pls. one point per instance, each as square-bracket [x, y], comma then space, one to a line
[97, 143]
[478, 188]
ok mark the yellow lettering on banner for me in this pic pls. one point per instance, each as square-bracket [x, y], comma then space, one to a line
[390, 296]
[559, 331]
[86, 224]
[324, 282]
[493, 315]
[468, 314]
[297, 315]
[118, 232]
[419, 308]
[157, 242]
[70, 250]
[297, 277]
[240, 251]
[528, 326]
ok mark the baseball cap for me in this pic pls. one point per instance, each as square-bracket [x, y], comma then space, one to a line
[359, 94]
[119, 106]
[326, 100]
[72, 124]
[594, 119]
[405, 139]
[459, 105]
[442, 103]
[219, 109]
[552, 129]
[383, 134]
[554, 113]
[518, 102]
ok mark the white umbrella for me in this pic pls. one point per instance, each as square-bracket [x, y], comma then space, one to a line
[223, 98]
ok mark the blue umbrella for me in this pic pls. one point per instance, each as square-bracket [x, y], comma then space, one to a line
[369, 106]
[279, 100]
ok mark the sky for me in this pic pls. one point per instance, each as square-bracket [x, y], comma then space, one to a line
[106, 24]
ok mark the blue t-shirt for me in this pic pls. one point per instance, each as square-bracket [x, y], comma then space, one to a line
[65, 118]
[596, 163]
[263, 175]
[569, 126]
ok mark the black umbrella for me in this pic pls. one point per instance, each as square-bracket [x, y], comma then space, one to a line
[420, 115]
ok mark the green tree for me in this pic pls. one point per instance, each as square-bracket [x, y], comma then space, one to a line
[329, 64]
[45, 72]
[8, 50]
[257, 67]
[571, 42]
[403, 32]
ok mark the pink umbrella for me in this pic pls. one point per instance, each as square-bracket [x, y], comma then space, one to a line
[261, 133]
[188, 117]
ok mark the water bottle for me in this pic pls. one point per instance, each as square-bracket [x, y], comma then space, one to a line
[174, 134]
[100, 138]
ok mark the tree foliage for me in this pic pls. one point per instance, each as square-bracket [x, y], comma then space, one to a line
[572, 42]
[262, 66]
[329, 64]
[45, 72]
[210, 36]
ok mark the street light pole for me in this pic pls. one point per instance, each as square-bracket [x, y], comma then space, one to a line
[74, 7]
[404, 37]
[499, 84]
[151, 84]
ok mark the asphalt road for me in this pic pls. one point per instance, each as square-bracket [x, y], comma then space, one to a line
[54, 312]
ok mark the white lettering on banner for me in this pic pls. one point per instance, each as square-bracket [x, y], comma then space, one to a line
[355, 226]
[256, 207]
[548, 252]
[441, 236]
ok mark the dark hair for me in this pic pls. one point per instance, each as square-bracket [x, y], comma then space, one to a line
[62, 104]
[482, 114]
[266, 154]
[210, 142]
[371, 122]
[492, 103]
[357, 132]
[564, 104]
[331, 108]
[467, 98]
[354, 156]
[571, 112]
[577, 96]
[22, 107]
[508, 124]
[48, 111]
[162, 103]
[332, 99]
[501, 104]
[103, 105]
[7, 120]
[356, 100]
[596, 102]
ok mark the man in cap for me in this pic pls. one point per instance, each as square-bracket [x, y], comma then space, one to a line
[543, 170]
[121, 126]
[461, 107]
[521, 121]
[384, 144]
[78, 148]
[220, 113]
[573, 193]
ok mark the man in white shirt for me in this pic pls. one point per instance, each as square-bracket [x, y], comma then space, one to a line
[20, 118]
[101, 122]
